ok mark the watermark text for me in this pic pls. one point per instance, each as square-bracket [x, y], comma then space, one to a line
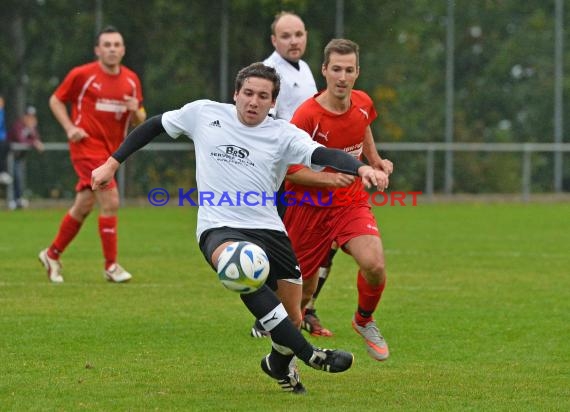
[192, 197]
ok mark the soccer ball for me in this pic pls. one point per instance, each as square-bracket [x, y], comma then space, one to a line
[243, 267]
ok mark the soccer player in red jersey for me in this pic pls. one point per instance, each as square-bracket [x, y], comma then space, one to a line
[105, 99]
[338, 211]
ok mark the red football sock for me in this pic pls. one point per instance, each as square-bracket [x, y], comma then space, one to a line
[108, 235]
[68, 228]
[368, 298]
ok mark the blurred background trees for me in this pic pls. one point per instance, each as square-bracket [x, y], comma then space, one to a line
[504, 71]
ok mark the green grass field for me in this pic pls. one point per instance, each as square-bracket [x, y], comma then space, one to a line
[476, 312]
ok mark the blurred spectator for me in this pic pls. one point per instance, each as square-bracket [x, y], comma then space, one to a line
[23, 131]
[5, 178]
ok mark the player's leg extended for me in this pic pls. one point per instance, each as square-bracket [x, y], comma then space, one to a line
[309, 261]
[265, 306]
[311, 322]
[109, 206]
[287, 339]
[368, 253]
[68, 229]
[281, 357]
[290, 295]
[81, 208]
[323, 274]
[309, 230]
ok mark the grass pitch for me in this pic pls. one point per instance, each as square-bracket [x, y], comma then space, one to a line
[476, 312]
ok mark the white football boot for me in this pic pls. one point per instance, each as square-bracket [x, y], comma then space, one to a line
[116, 273]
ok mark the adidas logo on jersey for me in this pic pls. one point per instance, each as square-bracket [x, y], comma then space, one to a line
[215, 123]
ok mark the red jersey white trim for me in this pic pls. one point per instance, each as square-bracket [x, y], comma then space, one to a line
[344, 131]
[98, 107]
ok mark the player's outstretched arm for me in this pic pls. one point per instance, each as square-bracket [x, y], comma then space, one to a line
[345, 163]
[138, 138]
[308, 177]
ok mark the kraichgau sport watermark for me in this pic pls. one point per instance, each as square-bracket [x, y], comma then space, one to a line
[192, 197]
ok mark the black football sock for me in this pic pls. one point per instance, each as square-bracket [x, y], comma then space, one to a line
[280, 362]
[320, 284]
[323, 276]
[332, 252]
[266, 306]
[364, 313]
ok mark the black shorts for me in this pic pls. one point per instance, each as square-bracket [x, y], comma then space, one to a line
[282, 261]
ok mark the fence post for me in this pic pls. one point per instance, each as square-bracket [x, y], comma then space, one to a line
[430, 171]
[526, 172]
[10, 170]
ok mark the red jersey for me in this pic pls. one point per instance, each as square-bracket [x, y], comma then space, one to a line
[340, 131]
[98, 107]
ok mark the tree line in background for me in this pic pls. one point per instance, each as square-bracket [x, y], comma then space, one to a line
[504, 69]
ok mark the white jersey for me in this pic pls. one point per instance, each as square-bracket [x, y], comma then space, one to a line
[238, 168]
[296, 85]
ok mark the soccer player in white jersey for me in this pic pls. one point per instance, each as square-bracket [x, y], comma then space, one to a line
[239, 149]
[289, 38]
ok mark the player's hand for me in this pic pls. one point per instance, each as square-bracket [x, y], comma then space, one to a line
[383, 164]
[372, 177]
[103, 175]
[340, 179]
[387, 166]
[75, 134]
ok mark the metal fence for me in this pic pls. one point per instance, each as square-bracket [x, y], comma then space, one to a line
[526, 150]
[429, 150]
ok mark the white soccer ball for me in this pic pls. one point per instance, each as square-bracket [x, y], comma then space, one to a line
[243, 267]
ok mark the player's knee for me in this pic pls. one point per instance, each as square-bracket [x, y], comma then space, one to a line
[111, 207]
[82, 210]
[375, 272]
[376, 267]
[295, 317]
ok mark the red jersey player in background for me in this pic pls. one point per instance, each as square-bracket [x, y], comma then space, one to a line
[105, 99]
[339, 117]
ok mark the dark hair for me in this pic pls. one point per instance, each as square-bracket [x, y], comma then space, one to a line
[341, 46]
[278, 17]
[262, 71]
[106, 29]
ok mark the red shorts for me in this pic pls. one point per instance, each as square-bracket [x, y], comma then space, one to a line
[83, 169]
[312, 230]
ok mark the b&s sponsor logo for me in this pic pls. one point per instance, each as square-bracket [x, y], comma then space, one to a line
[232, 154]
